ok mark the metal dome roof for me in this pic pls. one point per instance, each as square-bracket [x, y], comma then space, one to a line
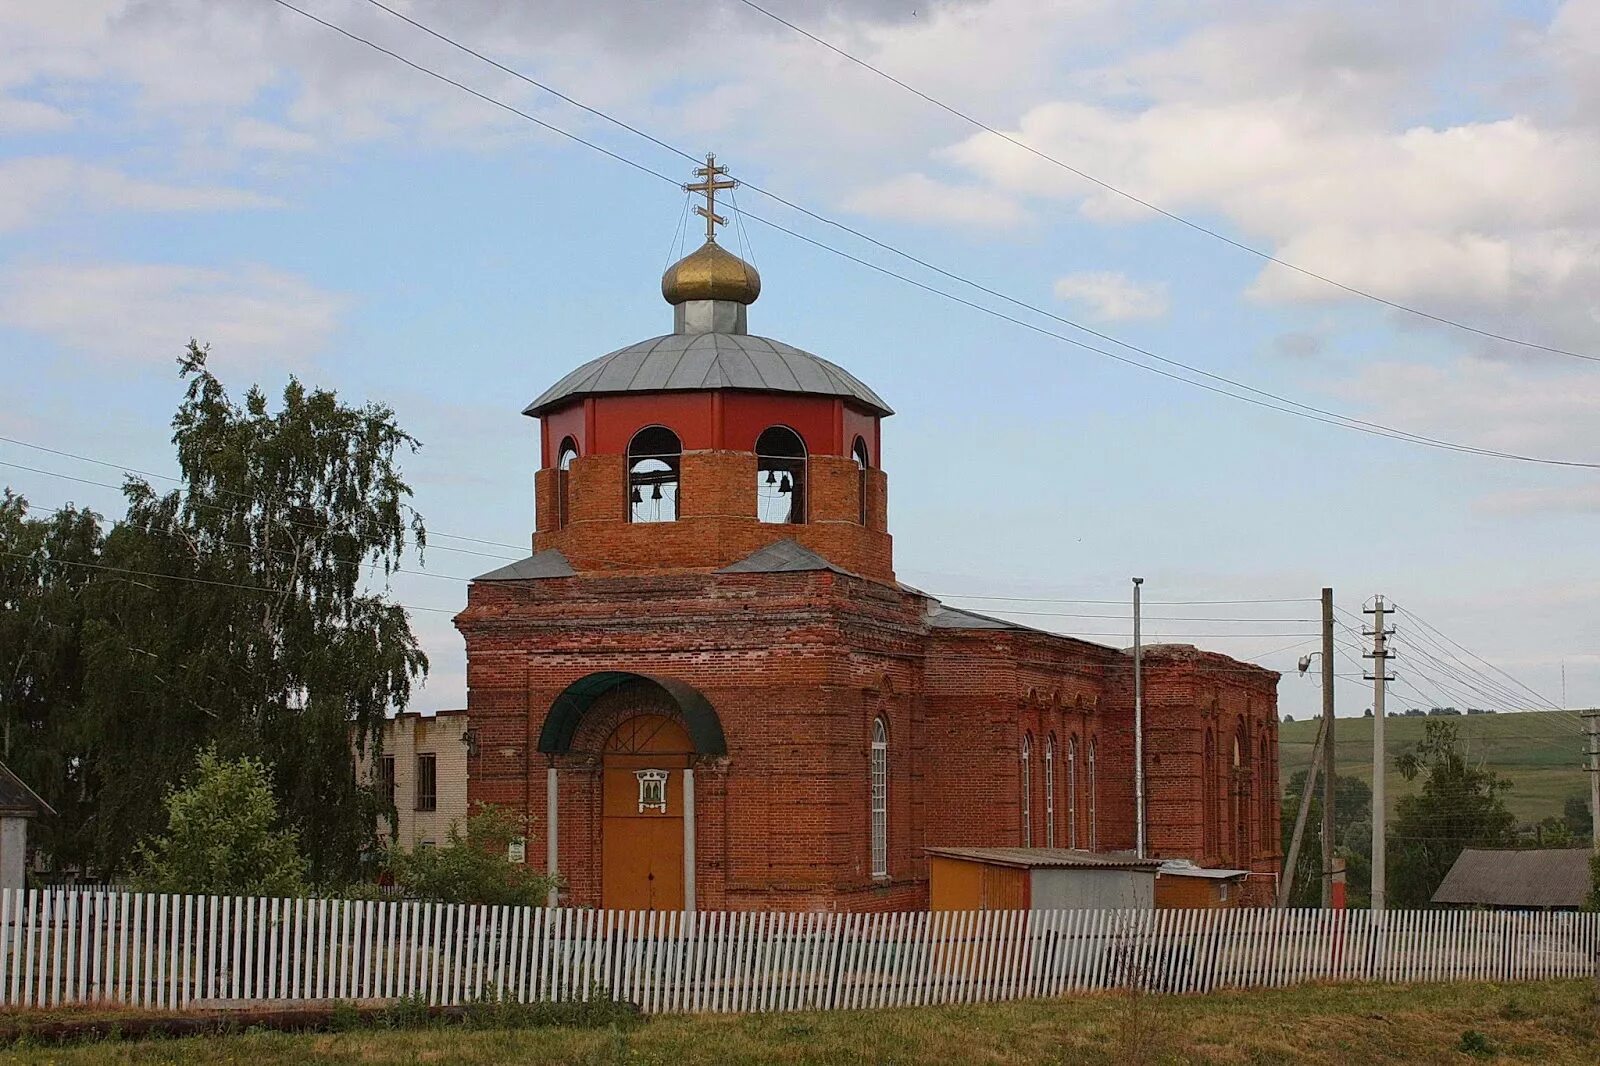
[697, 361]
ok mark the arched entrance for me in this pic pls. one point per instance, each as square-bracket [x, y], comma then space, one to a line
[642, 810]
[645, 733]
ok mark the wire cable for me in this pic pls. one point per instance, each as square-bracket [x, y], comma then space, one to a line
[1278, 403]
[1198, 227]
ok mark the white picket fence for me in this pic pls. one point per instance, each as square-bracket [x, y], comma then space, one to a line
[178, 951]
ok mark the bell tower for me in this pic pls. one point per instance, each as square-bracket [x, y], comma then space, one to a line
[697, 448]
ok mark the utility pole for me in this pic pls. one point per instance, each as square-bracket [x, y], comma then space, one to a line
[1593, 718]
[1138, 720]
[1292, 861]
[1326, 736]
[1380, 674]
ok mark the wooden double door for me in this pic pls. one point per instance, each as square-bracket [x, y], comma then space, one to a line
[641, 831]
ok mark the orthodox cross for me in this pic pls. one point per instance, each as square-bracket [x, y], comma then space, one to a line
[710, 186]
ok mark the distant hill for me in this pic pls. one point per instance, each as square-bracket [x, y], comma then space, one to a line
[1540, 751]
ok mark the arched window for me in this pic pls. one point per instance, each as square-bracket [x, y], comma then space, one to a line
[1072, 792]
[863, 464]
[780, 476]
[1050, 791]
[568, 452]
[1094, 802]
[1027, 790]
[1236, 836]
[655, 457]
[880, 798]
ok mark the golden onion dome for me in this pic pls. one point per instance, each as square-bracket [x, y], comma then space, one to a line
[711, 273]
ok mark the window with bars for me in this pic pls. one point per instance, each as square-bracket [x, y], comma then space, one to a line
[1050, 791]
[386, 780]
[427, 783]
[1027, 790]
[880, 799]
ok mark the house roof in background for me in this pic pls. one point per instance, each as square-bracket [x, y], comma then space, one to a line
[16, 798]
[1550, 877]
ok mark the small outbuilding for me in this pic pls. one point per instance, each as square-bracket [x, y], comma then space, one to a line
[972, 879]
[1182, 884]
[1543, 879]
[18, 804]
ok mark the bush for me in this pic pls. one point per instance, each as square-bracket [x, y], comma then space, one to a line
[472, 867]
[1474, 1043]
[223, 836]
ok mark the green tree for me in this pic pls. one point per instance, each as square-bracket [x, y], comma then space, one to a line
[224, 835]
[46, 603]
[234, 611]
[1459, 805]
[1352, 838]
[473, 866]
[1575, 813]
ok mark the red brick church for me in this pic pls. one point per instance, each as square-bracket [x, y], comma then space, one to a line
[708, 690]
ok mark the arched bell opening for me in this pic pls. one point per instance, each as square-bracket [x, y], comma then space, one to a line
[780, 476]
[655, 462]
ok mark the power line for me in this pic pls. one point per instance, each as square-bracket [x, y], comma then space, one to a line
[1149, 205]
[1272, 401]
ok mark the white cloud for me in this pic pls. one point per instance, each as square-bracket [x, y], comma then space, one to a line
[919, 198]
[1487, 403]
[33, 189]
[1583, 499]
[252, 134]
[141, 312]
[1298, 131]
[1113, 297]
[30, 116]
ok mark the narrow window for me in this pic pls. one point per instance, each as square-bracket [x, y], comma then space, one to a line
[1264, 796]
[1208, 796]
[427, 783]
[863, 464]
[1072, 792]
[1027, 790]
[880, 799]
[569, 452]
[654, 459]
[386, 781]
[1050, 791]
[1094, 802]
[780, 476]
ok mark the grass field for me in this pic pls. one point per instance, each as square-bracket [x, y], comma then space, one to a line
[1553, 1022]
[1541, 752]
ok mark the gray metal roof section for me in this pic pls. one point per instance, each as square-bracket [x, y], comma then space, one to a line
[1036, 858]
[692, 362]
[17, 799]
[941, 617]
[1185, 868]
[538, 565]
[1551, 877]
[785, 556]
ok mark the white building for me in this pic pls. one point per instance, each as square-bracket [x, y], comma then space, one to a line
[424, 769]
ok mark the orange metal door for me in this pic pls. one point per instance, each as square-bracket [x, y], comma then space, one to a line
[641, 840]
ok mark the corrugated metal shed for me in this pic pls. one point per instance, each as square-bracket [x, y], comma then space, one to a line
[1551, 877]
[697, 361]
[1050, 858]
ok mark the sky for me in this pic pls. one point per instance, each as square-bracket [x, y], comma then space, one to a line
[232, 171]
